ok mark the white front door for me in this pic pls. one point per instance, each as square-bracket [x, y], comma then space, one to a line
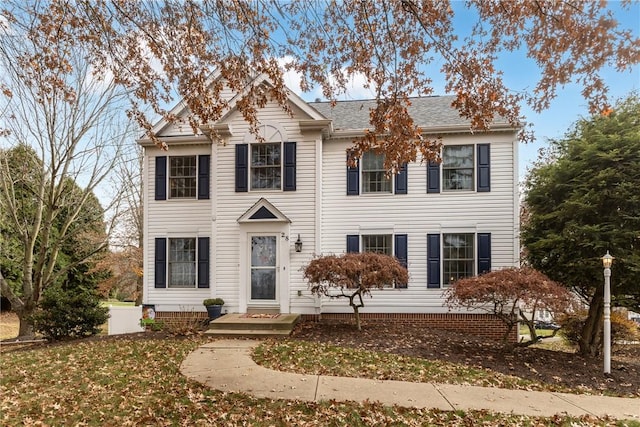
[263, 267]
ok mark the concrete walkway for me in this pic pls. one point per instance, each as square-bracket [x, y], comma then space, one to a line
[227, 365]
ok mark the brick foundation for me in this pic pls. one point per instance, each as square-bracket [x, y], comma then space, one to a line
[181, 318]
[481, 325]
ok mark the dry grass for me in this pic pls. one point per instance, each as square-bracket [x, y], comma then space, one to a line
[9, 325]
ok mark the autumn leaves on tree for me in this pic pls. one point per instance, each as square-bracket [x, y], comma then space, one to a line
[160, 51]
[147, 54]
[354, 275]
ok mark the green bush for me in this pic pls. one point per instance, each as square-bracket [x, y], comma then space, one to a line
[622, 329]
[213, 301]
[73, 313]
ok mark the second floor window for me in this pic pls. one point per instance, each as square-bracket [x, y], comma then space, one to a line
[374, 176]
[182, 177]
[457, 167]
[266, 169]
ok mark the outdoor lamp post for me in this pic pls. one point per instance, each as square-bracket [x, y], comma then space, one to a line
[607, 260]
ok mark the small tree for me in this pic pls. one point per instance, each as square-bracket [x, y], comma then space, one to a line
[74, 312]
[353, 275]
[510, 294]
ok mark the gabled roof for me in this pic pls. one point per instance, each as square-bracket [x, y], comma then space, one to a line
[263, 211]
[180, 109]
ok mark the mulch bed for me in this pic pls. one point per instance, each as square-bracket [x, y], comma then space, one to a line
[552, 367]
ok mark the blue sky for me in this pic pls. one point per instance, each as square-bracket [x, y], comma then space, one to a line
[520, 74]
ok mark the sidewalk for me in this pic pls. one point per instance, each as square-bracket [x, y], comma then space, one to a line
[226, 365]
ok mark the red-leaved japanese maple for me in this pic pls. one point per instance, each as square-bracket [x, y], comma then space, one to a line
[353, 275]
[512, 294]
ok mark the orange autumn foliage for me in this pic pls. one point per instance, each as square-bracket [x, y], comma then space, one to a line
[162, 51]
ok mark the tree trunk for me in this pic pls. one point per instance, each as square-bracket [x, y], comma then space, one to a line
[26, 331]
[357, 313]
[356, 306]
[23, 311]
[591, 336]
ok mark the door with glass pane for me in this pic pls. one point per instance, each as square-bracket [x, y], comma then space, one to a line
[263, 268]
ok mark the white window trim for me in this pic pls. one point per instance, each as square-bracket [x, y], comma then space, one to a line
[168, 266]
[169, 178]
[392, 179]
[273, 133]
[251, 145]
[445, 280]
[474, 167]
[378, 232]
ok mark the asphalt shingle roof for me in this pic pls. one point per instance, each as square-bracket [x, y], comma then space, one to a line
[426, 112]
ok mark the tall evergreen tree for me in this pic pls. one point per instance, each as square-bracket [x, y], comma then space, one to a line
[583, 200]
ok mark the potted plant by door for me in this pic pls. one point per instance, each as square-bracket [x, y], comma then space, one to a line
[214, 307]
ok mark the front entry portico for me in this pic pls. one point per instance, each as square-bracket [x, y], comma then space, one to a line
[264, 259]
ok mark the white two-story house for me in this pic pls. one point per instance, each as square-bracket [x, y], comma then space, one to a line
[223, 214]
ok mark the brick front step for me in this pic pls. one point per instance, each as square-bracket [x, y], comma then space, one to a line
[244, 325]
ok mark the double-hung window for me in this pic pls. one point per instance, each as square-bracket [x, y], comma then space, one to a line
[182, 177]
[463, 168]
[387, 244]
[370, 172]
[182, 263]
[374, 176]
[266, 166]
[458, 256]
[457, 167]
[453, 256]
[378, 243]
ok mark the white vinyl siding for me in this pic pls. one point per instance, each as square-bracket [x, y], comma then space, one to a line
[417, 214]
[172, 219]
[299, 206]
[323, 215]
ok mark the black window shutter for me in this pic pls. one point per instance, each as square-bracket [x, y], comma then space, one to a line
[484, 252]
[203, 262]
[401, 180]
[353, 243]
[484, 168]
[242, 168]
[204, 168]
[289, 166]
[433, 260]
[401, 253]
[353, 179]
[161, 178]
[160, 278]
[433, 177]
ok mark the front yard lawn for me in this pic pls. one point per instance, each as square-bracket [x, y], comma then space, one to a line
[135, 380]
